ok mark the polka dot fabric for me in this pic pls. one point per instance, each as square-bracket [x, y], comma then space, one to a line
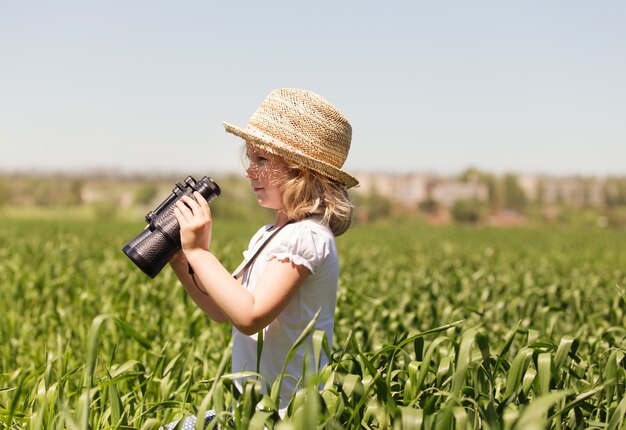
[189, 423]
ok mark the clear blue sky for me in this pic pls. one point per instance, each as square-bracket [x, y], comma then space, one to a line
[527, 86]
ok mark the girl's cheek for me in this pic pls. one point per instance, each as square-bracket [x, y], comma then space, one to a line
[265, 172]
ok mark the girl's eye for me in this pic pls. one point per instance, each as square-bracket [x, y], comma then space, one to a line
[255, 157]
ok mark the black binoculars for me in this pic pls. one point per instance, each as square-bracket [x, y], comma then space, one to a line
[153, 248]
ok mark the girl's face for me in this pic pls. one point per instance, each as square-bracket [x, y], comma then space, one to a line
[264, 171]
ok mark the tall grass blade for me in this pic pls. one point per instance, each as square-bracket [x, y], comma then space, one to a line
[534, 416]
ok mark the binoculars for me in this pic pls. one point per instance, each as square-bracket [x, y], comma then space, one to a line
[153, 248]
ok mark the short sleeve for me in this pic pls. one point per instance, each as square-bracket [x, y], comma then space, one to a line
[304, 244]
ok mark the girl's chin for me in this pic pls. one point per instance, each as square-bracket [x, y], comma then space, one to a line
[267, 205]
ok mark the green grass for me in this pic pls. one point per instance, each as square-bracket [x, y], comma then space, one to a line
[435, 328]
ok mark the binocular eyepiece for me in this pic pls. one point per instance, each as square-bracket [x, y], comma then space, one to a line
[151, 249]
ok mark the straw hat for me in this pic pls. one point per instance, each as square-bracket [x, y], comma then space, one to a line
[303, 127]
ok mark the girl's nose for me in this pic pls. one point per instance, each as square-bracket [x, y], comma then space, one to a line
[251, 171]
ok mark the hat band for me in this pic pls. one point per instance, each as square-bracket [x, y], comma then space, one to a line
[255, 132]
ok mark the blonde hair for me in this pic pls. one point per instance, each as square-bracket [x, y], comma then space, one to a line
[306, 193]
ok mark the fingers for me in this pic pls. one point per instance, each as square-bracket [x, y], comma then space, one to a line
[190, 207]
[194, 218]
[183, 212]
[204, 205]
[190, 211]
[180, 217]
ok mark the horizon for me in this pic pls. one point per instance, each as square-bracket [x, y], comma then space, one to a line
[112, 173]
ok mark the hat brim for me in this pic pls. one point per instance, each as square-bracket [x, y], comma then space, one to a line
[318, 166]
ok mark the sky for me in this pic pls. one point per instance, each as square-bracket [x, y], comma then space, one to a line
[530, 86]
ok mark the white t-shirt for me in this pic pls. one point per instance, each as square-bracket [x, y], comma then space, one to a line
[311, 244]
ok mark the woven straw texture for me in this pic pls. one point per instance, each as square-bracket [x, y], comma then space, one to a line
[303, 127]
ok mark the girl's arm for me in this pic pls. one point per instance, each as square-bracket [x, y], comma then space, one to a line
[248, 311]
[180, 267]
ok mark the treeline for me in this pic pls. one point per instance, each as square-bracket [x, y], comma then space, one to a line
[110, 196]
[504, 201]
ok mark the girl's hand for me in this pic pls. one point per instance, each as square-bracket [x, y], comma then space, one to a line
[194, 217]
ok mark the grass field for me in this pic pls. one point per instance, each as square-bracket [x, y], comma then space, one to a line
[436, 328]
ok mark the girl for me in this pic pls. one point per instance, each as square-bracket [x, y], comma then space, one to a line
[296, 143]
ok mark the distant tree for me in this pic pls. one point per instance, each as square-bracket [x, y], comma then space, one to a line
[4, 192]
[469, 211]
[429, 206]
[74, 192]
[588, 200]
[146, 194]
[513, 196]
[373, 205]
[379, 206]
[43, 192]
[105, 210]
[474, 175]
[615, 192]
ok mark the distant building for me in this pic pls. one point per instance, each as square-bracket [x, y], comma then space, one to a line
[530, 185]
[572, 191]
[447, 193]
[408, 189]
[412, 188]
